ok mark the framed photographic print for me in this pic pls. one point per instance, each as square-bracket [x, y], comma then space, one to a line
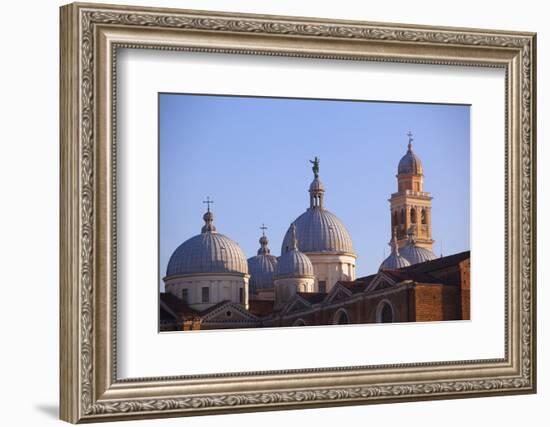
[265, 212]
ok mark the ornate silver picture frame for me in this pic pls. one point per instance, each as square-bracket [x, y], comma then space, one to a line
[91, 36]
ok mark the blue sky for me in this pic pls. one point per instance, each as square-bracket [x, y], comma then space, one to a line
[250, 155]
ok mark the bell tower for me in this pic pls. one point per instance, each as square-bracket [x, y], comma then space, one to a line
[411, 206]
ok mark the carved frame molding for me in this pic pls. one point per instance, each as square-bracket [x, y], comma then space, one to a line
[90, 37]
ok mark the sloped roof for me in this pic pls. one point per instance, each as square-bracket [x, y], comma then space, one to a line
[438, 263]
[312, 297]
[177, 305]
[426, 272]
[167, 316]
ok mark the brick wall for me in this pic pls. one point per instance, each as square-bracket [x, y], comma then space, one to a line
[465, 289]
[436, 302]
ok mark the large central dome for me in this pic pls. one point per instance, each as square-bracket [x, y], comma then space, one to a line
[317, 229]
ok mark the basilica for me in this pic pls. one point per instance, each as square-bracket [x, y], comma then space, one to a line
[210, 284]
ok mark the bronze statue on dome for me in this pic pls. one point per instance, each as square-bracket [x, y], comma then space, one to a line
[315, 167]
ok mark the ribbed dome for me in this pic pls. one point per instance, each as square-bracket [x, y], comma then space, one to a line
[262, 266]
[208, 252]
[395, 260]
[410, 163]
[262, 271]
[415, 254]
[319, 230]
[292, 262]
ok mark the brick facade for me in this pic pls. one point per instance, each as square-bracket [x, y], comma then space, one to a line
[435, 290]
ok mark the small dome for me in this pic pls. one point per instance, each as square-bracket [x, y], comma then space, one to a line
[208, 252]
[410, 163]
[316, 185]
[262, 266]
[393, 262]
[262, 271]
[415, 254]
[292, 262]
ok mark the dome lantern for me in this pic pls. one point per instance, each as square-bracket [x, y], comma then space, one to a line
[264, 249]
[208, 218]
[261, 267]
[316, 188]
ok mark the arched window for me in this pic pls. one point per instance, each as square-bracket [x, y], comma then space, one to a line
[413, 216]
[402, 216]
[384, 312]
[341, 317]
[423, 218]
[394, 219]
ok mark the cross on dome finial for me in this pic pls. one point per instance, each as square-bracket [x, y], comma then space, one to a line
[208, 202]
[411, 139]
[264, 249]
[208, 217]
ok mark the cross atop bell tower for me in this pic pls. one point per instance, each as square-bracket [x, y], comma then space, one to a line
[411, 206]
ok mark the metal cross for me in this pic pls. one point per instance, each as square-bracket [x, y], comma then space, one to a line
[208, 202]
[410, 135]
[263, 228]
